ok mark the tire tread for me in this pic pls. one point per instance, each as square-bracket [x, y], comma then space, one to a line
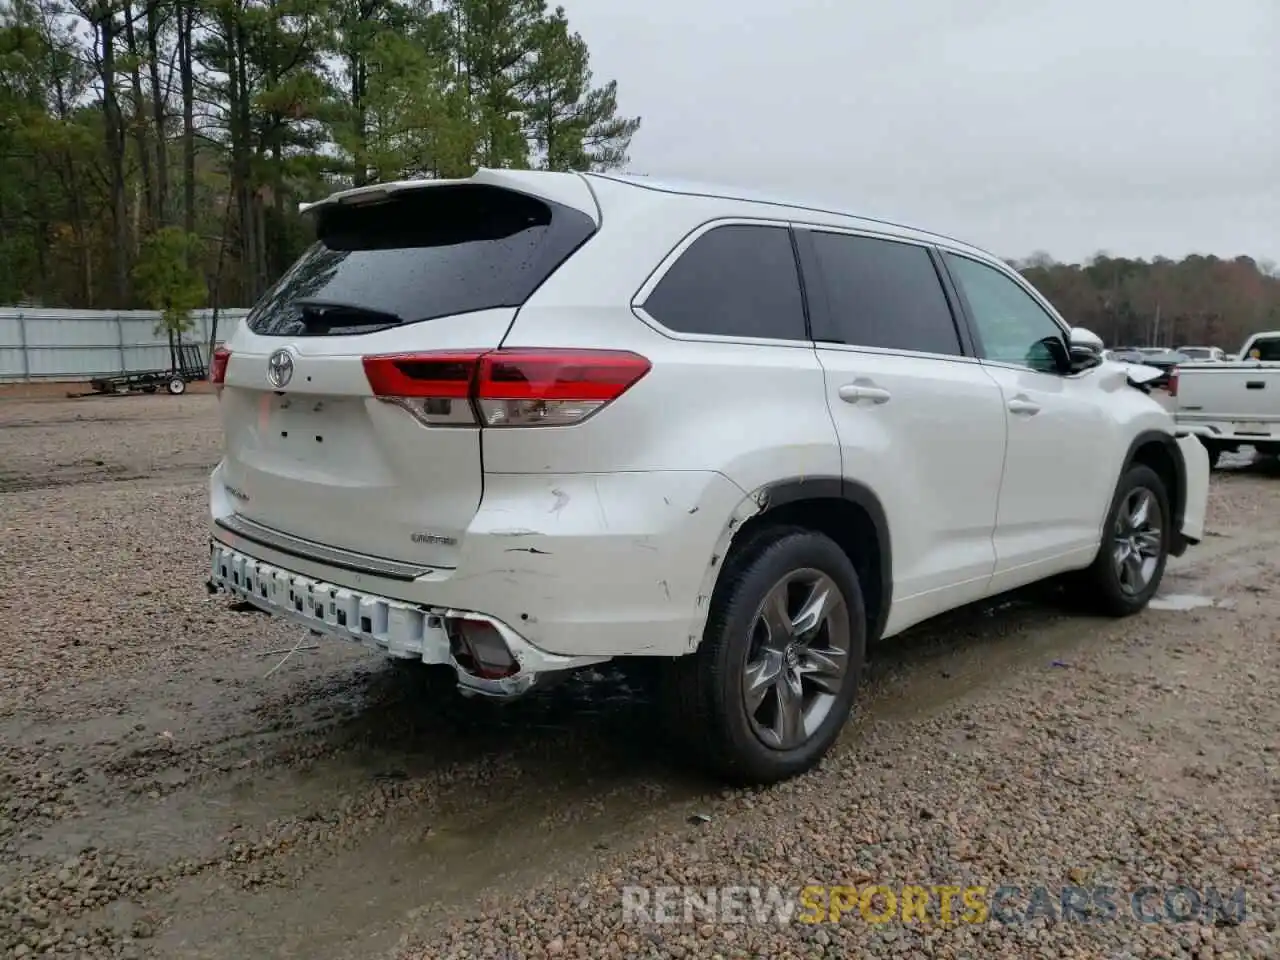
[1097, 587]
[692, 691]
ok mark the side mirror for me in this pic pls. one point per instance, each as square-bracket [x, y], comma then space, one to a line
[1086, 349]
[1056, 349]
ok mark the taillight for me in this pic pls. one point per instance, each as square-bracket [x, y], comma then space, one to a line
[218, 367]
[434, 387]
[510, 387]
[1172, 385]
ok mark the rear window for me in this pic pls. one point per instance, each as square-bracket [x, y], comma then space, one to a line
[1268, 350]
[418, 255]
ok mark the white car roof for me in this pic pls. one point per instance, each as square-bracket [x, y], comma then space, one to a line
[827, 212]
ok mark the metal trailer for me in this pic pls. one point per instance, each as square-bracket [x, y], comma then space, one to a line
[191, 367]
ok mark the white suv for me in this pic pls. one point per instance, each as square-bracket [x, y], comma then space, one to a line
[527, 422]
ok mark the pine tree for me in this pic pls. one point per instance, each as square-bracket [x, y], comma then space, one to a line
[571, 125]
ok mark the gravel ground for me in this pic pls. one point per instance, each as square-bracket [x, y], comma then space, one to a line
[160, 795]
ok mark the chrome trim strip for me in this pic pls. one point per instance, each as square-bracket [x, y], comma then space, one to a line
[320, 553]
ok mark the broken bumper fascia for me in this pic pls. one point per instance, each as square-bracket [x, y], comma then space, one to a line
[397, 628]
[580, 565]
[1195, 464]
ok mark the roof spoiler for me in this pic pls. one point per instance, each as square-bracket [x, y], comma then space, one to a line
[567, 189]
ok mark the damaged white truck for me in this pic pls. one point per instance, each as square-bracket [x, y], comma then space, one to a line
[528, 422]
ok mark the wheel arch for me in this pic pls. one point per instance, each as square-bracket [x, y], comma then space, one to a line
[1159, 451]
[845, 510]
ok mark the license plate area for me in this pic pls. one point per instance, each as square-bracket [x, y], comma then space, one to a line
[302, 426]
[1253, 429]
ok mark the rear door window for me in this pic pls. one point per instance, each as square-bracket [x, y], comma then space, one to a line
[739, 280]
[1267, 350]
[881, 293]
[421, 254]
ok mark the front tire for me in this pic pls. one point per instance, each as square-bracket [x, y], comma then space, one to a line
[774, 680]
[1135, 546]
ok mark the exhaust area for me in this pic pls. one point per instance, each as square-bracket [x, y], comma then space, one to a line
[479, 649]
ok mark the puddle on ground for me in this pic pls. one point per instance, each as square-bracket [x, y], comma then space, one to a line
[1183, 601]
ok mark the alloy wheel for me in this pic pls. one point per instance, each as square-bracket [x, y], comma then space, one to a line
[1138, 541]
[798, 659]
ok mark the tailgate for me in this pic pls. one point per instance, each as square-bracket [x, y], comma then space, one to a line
[313, 460]
[1218, 391]
[321, 459]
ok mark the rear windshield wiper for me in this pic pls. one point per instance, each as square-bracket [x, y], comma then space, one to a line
[322, 317]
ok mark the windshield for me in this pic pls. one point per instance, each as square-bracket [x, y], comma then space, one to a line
[423, 253]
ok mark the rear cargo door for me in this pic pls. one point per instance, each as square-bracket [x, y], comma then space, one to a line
[315, 462]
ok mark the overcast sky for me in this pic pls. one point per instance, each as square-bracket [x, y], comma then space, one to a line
[1140, 127]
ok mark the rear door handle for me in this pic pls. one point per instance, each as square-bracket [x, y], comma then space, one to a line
[853, 392]
[1255, 385]
[1023, 406]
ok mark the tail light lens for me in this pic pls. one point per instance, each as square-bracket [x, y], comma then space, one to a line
[510, 387]
[434, 387]
[479, 648]
[1172, 385]
[218, 367]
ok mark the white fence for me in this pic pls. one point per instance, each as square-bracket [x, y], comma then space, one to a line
[37, 344]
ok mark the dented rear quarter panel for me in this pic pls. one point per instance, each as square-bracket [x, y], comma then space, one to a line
[598, 564]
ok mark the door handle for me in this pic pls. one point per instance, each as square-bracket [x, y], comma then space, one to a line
[1021, 405]
[1255, 385]
[853, 392]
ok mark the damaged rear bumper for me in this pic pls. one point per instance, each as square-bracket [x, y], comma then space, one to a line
[1195, 462]
[394, 627]
[582, 567]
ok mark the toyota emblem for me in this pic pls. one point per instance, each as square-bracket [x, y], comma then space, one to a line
[280, 368]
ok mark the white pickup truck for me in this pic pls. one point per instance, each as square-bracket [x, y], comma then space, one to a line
[1232, 404]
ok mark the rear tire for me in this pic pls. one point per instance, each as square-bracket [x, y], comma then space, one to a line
[774, 680]
[1135, 547]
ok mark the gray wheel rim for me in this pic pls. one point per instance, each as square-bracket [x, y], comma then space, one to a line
[1138, 541]
[798, 658]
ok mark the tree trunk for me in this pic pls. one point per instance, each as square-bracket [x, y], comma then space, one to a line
[113, 134]
[279, 248]
[186, 26]
[360, 152]
[139, 122]
[214, 298]
[242, 166]
[158, 113]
